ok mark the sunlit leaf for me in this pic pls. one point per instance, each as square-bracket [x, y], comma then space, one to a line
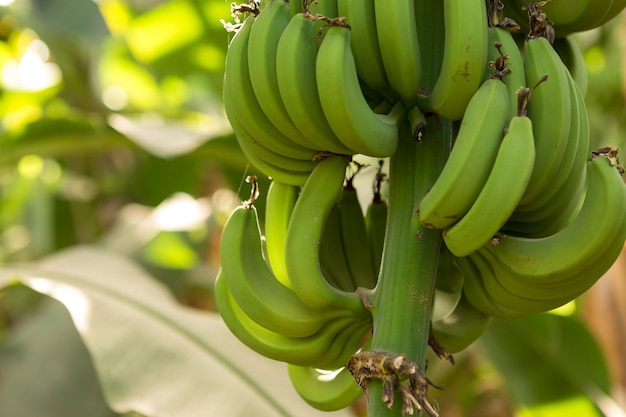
[153, 355]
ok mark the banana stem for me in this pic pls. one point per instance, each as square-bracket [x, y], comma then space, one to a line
[405, 289]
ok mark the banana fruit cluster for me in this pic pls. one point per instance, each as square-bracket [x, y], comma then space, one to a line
[530, 216]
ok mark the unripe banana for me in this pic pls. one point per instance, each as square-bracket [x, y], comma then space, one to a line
[465, 53]
[320, 348]
[243, 104]
[279, 203]
[263, 44]
[399, 46]
[253, 285]
[550, 110]
[502, 191]
[474, 151]
[332, 255]
[364, 42]
[572, 56]
[559, 257]
[461, 327]
[324, 390]
[376, 225]
[574, 155]
[273, 165]
[304, 234]
[514, 62]
[345, 107]
[295, 56]
[354, 238]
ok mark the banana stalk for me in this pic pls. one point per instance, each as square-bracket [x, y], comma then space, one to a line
[405, 290]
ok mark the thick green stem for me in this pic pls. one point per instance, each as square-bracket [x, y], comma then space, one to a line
[405, 289]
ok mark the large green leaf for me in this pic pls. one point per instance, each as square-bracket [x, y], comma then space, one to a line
[552, 365]
[45, 351]
[153, 355]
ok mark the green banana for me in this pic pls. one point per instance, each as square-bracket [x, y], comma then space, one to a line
[399, 46]
[429, 18]
[345, 107]
[253, 285]
[502, 191]
[558, 257]
[364, 42]
[460, 327]
[332, 254]
[270, 163]
[514, 62]
[550, 110]
[259, 152]
[476, 294]
[324, 390]
[575, 153]
[295, 57]
[616, 8]
[354, 238]
[263, 44]
[474, 151]
[323, 347]
[306, 227]
[591, 17]
[244, 105]
[279, 203]
[376, 225]
[465, 53]
[572, 56]
[449, 278]
[494, 279]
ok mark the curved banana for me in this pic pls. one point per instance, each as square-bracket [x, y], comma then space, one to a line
[244, 105]
[572, 56]
[502, 191]
[354, 238]
[591, 17]
[449, 278]
[559, 257]
[474, 151]
[279, 203]
[550, 111]
[460, 327]
[322, 347]
[465, 53]
[324, 390]
[399, 46]
[273, 165]
[616, 8]
[516, 78]
[249, 146]
[295, 57]
[376, 225]
[492, 279]
[364, 42]
[475, 293]
[332, 254]
[263, 44]
[253, 285]
[317, 198]
[575, 153]
[345, 107]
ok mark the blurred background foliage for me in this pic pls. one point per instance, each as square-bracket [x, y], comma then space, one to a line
[112, 132]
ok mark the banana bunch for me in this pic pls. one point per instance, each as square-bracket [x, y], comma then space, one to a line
[513, 225]
[304, 78]
[530, 218]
